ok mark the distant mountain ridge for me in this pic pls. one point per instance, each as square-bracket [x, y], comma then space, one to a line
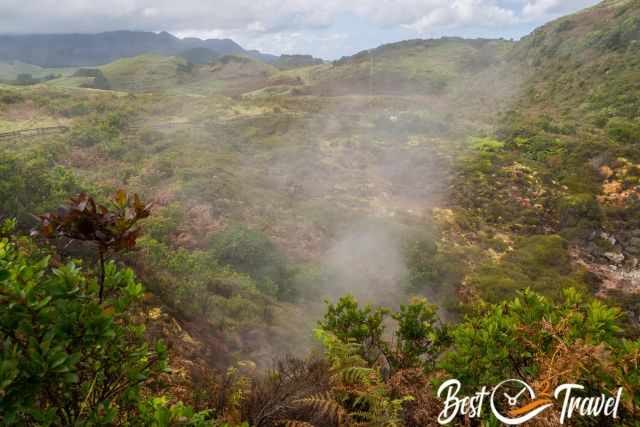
[81, 50]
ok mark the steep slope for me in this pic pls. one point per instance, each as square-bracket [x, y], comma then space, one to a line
[566, 164]
[584, 66]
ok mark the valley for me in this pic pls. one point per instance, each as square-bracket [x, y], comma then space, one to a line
[460, 171]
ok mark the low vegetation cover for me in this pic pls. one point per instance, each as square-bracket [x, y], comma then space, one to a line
[75, 351]
[306, 243]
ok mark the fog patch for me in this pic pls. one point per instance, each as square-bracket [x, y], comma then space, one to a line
[367, 262]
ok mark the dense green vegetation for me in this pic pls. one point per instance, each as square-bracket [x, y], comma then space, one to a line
[70, 357]
[32, 185]
[498, 180]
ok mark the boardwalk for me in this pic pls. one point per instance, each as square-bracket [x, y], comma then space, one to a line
[33, 132]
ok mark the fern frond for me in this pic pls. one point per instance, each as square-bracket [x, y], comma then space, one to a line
[357, 375]
[294, 423]
[363, 415]
[324, 405]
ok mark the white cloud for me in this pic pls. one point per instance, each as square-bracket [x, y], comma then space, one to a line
[150, 11]
[536, 9]
[458, 13]
[256, 26]
[263, 15]
[271, 23]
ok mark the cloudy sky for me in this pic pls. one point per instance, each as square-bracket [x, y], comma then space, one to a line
[324, 28]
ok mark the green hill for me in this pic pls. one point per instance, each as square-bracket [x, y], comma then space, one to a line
[586, 63]
[168, 74]
[287, 62]
[460, 170]
[145, 73]
[568, 162]
[11, 70]
[413, 67]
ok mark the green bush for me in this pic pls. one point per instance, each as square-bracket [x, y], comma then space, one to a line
[105, 128]
[540, 342]
[66, 359]
[580, 210]
[207, 290]
[620, 36]
[251, 252]
[88, 136]
[10, 97]
[157, 412]
[418, 337]
[33, 186]
[624, 130]
[436, 270]
[541, 263]
[164, 223]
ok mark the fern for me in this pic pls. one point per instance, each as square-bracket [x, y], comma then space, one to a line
[357, 375]
[359, 396]
[324, 405]
[295, 423]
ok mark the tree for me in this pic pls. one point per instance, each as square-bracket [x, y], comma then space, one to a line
[546, 344]
[419, 335]
[65, 358]
[360, 326]
[111, 230]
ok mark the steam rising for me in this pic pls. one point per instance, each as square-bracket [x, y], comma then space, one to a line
[338, 164]
[367, 262]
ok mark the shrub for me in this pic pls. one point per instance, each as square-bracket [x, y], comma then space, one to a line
[546, 344]
[32, 186]
[102, 128]
[418, 338]
[224, 298]
[541, 263]
[88, 136]
[251, 252]
[66, 359]
[435, 268]
[10, 97]
[580, 210]
[624, 130]
[111, 229]
[620, 36]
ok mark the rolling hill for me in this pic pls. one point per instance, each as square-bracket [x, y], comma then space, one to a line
[459, 170]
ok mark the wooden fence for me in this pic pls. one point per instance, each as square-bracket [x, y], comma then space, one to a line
[34, 132]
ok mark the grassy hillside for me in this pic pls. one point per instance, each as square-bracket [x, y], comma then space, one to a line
[175, 75]
[417, 66]
[593, 57]
[567, 161]
[146, 73]
[458, 170]
[297, 154]
[11, 70]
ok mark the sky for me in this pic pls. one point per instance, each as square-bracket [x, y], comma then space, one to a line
[327, 29]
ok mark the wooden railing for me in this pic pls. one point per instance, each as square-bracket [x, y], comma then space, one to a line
[34, 132]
